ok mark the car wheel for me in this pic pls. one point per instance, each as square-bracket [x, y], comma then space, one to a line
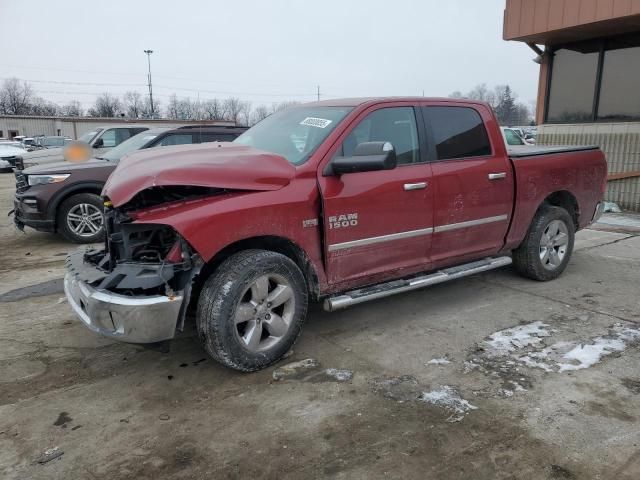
[547, 247]
[80, 218]
[251, 309]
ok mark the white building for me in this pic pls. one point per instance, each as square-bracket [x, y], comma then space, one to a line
[14, 125]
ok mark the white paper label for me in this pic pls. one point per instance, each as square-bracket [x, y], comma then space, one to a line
[316, 122]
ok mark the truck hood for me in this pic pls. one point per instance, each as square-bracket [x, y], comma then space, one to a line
[66, 167]
[219, 165]
[42, 153]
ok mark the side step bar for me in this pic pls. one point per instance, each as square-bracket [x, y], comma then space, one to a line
[382, 290]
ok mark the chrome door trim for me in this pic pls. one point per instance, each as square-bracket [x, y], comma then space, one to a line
[415, 186]
[470, 223]
[380, 239]
[416, 233]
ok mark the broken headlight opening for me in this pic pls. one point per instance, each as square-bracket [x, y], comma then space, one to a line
[138, 259]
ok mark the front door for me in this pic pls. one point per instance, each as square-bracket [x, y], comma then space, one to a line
[379, 223]
[472, 184]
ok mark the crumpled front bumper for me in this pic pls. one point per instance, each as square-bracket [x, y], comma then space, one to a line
[133, 319]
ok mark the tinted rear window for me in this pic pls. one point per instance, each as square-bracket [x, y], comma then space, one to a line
[218, 137]
[458, 132]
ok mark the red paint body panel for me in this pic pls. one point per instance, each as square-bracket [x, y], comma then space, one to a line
[582, 173]
[267, 196]
[222, 165]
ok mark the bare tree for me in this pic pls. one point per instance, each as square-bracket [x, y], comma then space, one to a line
[260, 113]
[145, 111]
[276, 107]
[72, 109]
[173, 108]
[233, 109]
[106, 105]
[42, 107]
[213, 109]
[133, 104]
[245, 113]
[15, 98]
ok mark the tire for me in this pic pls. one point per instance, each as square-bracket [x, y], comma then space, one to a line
[548, 245]
[237, 324]
[78, 218]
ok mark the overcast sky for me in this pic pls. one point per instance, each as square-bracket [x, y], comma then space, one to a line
[262, 51]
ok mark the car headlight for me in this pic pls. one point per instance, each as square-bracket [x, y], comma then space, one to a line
[44, 179]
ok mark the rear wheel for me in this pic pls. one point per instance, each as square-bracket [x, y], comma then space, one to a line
[547, 247]
[80, 218]
[251, 310]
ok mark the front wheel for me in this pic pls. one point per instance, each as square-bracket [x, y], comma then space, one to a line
[80, 218]
[547, 247]
[251, 309]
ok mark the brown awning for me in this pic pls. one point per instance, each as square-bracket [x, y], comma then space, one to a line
[550, 22]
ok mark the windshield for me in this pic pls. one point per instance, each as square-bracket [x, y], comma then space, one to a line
[130, 145]
[294, 133]
[87, 137]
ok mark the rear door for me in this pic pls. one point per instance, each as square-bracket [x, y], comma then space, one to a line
[472, 181]
[379, 223]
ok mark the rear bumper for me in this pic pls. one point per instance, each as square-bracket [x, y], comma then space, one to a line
[133, 319]
[598, 213]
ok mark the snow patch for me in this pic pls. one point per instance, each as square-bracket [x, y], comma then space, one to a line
[339, 375]
[439, 361]
[508, 340]
[566, 356]
[448, 398]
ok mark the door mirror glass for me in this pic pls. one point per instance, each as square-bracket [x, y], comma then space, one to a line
[99, 143]
[367, 157]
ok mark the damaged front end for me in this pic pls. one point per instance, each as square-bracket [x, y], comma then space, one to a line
[137, 288]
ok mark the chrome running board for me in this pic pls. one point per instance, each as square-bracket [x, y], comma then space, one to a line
[387, 289]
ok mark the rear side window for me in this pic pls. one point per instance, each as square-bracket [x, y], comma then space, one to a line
[458, 132]
[218, 137]
[177, 139]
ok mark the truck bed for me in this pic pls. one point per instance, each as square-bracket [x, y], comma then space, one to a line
[516, 151]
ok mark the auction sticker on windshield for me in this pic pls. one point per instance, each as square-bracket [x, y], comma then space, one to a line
[316, 122]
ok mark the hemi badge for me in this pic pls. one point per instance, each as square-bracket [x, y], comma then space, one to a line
[311, 222]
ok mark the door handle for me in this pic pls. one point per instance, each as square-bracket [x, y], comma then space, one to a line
[415, 186]
[497, 176]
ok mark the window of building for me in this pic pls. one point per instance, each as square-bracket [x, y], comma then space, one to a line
[458, 132]
[595, 81]
[620, 88]
[573, 84]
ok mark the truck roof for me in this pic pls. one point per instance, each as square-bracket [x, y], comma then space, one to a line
[357, 101]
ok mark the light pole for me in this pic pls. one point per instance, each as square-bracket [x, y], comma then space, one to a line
[149, 52]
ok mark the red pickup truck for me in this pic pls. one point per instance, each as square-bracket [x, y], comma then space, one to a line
[342, 201]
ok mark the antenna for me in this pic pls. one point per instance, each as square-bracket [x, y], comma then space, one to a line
[318, 92]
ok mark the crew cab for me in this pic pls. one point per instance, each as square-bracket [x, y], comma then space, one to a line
[339, 201]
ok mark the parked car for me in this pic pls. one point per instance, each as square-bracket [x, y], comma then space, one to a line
[51, 142]
[64, 197]
[100, 140]
[385, 196]
[511, 137]
[9, 151]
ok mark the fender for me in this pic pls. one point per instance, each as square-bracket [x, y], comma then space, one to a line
[62, 194]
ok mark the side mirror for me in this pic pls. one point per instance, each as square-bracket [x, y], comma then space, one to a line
[99, 143]
[367, 157]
